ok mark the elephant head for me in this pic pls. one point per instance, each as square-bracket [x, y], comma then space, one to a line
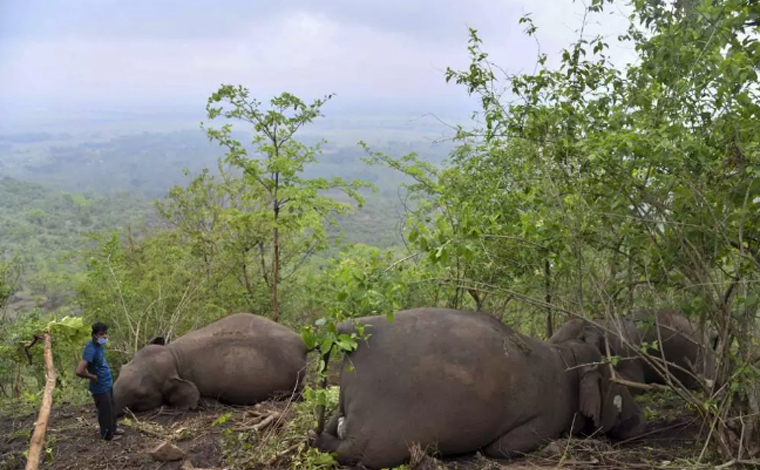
[151, 379]
[609, 406]
[679, 342]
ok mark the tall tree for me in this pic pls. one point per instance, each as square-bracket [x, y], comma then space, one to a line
[290, 206]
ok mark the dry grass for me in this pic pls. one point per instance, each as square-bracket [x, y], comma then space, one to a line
[273, 435]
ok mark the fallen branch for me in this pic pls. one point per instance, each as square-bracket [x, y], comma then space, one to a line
[38, 437]
[731, 463]
[266, 422]
[259, 421]
[642, 386]
[282, 454]
[145, 427]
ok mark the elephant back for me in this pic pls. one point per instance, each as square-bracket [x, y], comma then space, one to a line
[242, 358]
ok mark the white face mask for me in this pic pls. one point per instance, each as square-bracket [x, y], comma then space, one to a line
[102, 341]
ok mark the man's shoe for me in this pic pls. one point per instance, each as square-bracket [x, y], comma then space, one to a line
[114, 438]
[118, 431]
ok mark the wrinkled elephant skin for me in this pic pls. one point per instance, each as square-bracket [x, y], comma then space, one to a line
[457, 382]
[679, 341]
[241, 359]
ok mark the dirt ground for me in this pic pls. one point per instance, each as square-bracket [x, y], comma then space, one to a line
[672, 442]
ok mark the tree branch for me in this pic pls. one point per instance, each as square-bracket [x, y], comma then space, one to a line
[38, 437]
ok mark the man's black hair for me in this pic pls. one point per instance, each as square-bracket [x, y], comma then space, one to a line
[99, 327]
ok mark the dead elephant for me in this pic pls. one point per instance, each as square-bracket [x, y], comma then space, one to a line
[241, 359]
[690, 353]
[458, 382]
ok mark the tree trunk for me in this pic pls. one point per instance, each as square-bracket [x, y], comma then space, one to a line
[246, 280]
[479, 301]
[38, 437]
[17, 383]
[276, 273]
[323, 386]
[548, 284]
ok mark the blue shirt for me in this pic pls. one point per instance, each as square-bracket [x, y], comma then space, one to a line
[97, 365]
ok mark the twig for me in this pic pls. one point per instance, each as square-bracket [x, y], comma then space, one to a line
[642, 386]
[397, 262]
[283, 453]
[29, 346]
[135, 417]
[657, 431]
[261, 424]
[569, 443]
[266, 422]
[728, 464]
[144, 427]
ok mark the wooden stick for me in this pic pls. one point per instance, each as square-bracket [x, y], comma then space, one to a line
[38, 437]
[282, 454]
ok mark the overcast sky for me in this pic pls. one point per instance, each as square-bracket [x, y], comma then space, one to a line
[69, 54]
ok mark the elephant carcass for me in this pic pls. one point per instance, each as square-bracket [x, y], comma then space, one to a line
[688, 351]
[458, 381]
[240, 359]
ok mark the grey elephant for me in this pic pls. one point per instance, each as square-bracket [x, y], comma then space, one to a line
[458, 382]
[240, 359]
[688, 350]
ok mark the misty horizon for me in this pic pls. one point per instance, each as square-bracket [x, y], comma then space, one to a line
[88, 61]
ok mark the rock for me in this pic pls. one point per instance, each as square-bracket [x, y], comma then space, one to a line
[166, 451]
[551, 450]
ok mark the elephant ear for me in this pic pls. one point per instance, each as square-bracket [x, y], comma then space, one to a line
[571, 330]
[590, 394]
[595, 337]
[181, 393]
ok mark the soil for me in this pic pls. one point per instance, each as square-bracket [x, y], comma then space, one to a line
[672, 442]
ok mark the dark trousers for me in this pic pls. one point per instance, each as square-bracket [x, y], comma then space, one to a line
[106, 413]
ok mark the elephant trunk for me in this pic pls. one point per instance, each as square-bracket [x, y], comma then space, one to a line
[118, 399]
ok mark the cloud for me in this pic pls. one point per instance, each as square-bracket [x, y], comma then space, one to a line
[158, 53]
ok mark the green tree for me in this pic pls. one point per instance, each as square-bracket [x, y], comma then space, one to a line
[10, 275]
[635, 187]
[153, 286]
[218, 220]
[288, 206]
[36, 216]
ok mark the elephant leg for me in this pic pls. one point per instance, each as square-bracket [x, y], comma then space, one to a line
[357, 447]
[327, 442]
[518, 441]
[345, 450]
[332, 424]
[330, 439]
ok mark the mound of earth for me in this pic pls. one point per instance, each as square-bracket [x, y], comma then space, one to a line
[273, 434]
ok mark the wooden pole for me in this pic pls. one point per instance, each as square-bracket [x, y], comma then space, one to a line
[38, 437]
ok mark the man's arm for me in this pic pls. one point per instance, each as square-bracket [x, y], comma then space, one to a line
[83, 372]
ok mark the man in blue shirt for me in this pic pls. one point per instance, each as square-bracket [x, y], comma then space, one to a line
[94, 367]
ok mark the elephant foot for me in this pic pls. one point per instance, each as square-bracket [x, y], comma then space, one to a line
[326, 442]
[344, 450]
[515, 443]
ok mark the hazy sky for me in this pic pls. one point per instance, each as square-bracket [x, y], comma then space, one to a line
[171, 54]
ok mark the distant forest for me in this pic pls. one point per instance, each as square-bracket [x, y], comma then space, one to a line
[57, 189]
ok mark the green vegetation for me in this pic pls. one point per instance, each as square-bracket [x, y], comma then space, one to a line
[285, 212]
[40, 226]
[598, 192]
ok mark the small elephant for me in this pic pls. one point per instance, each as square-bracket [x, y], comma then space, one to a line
[680, 342]
[462, 381]
[240, 359]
